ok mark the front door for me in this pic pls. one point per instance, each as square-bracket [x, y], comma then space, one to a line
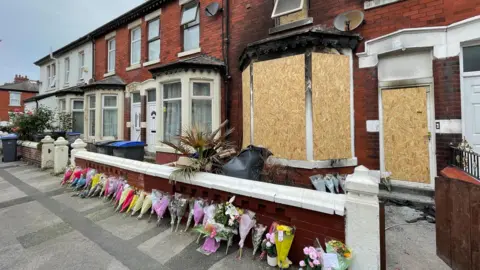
[472, 111]
[135, 117]
[406, 137]
[151, 120]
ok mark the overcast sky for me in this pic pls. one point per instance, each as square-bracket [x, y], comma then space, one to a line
[28, 28]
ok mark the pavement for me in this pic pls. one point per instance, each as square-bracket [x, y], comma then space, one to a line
[43, 227]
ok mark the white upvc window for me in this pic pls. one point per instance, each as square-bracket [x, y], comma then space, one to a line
[77, 115]
[15, 98]
[191, 26]
[62, 105]
[110, 115]
[154, 39]
[81, 65]
[172, 111]
[135, 46]
[51, 75]
[285, 7]
[111, 55]
[91, 99]
[67, 70]
[202, 101]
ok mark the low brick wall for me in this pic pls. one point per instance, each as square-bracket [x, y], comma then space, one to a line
[29, 152]
[310, 224]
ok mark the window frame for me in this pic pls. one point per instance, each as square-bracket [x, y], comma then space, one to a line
[51, 76]
[104, 108]
[67, 70]
[73, 110]
[191, 24]
[81, 65]
[91, 132]
[151, 40]
[19, 99]
[132, 41]
[111, 69]
[277, 15]
[192, 97]
[163, 100]
[62, 101]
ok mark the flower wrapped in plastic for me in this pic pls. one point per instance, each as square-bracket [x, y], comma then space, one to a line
[182, 204]
[246, 223]
[312, 260]
[66, 176]
[120, 192]
[90, 174]
[139, 202]
[257, 235]
[344, 253]
[283, 241]
[128, 200]
[172, 208]
[208, 218]
[134, 201]
[147, 204]
[99, 187]
[159, 206]
[270, 235]
[196, 212]
[123, 196]
[191, 205]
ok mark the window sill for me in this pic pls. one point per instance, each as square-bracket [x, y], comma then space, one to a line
[165, 149]
[153, 62]
[369, 4]
[108, 74]
[289, 26]
[194, 51]
[314, 164]
[10, 105]
[133, 67]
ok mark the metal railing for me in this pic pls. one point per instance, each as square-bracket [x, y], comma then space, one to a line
[466, 160]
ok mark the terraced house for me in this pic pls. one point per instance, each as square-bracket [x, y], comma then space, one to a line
[390, 94]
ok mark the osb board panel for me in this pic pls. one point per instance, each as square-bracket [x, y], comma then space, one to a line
[331, 106]
[405, 128]
[246, 106]
[299, 15]
[279, 106]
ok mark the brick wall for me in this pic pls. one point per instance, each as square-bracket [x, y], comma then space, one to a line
[447, 88]
[30, 155]
[5, 103]
[309, 224]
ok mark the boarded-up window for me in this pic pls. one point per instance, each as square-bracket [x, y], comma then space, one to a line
[295, 16]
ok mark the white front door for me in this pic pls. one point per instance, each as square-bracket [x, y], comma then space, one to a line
[472, 111]
[135, 117]
[151, 120]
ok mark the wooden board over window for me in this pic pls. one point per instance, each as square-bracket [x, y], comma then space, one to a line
[246, 106]
[331, 106]
[279, 106]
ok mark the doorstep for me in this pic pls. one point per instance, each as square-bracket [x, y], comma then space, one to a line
[417, 197]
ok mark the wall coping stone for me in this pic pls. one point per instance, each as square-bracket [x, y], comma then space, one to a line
[30, 144]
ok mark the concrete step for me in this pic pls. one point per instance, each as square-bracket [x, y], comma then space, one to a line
[150, 159]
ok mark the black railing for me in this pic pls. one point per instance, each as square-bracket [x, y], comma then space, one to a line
[468, 161]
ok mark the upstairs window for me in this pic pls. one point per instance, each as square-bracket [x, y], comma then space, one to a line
[81, 65]
[135, 46]
[15, 98]
[154, 40]
[191, 26]
[51, 73]
[111, 55]
[284, 7]
[67, 70]
[62, 107]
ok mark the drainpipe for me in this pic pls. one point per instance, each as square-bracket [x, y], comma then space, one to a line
[94, 48]
[226, 46]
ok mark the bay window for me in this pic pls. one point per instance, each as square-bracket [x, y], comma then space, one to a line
[172, 111]
[111, 55]
[91, 115]
[191, 26]
[154, 40]
[77, 116]
[110, 116]
[135, 46]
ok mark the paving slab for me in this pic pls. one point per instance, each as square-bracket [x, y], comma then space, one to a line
[44, 182]
[78, 204]
[125, 227]
[9, 192]
[167, 244]
[246, 263]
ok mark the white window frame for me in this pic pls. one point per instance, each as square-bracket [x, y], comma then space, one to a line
[16, 104]
[275, 15]
[111, 41]
[109, 108]
[163, 100]
[60, 102]
[81, 65]
[90, 131]
[192, 97]
[190, 24]
[82, 110]
[132, 41]
[153, 39]
[51, 75]
[67, 70]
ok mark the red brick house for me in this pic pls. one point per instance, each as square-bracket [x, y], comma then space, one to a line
[13, 94]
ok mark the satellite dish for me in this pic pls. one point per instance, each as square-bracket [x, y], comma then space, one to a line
[212, 9]
[349, 20]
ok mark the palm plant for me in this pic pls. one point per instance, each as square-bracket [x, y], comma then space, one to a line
[206, 148]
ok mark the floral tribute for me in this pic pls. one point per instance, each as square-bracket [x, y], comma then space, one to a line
[344, 253]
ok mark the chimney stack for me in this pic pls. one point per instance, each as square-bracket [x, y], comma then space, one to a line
[20, 78]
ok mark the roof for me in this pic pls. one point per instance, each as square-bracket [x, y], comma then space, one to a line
[298, 40]
[133, 14]
[71, 90]
[112, 82]
[201, 61]
[26, 86]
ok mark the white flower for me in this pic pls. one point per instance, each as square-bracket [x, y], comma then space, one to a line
[269, 244]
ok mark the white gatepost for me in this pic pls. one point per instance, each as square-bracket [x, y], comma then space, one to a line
[77, 146]
[363, 219]
[61, 156]
[47, 153]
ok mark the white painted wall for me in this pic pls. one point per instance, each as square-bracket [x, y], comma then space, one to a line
[405, 65]
[74, 77]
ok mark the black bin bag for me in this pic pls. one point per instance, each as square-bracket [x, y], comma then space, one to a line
[248, 164]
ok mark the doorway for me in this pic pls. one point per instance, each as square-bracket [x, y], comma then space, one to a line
[471, 95]
[136, 117]
[151, 120]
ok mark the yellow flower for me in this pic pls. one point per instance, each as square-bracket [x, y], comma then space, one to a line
[347, 255]
[284, 228]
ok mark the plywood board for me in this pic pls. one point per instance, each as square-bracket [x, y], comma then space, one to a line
[331, 106]
[246, 106]
[279, 106]
[293, 17]
[405, 129]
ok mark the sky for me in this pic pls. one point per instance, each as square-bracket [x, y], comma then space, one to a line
[29, 28]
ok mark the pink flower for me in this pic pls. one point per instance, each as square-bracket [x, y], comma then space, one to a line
[302, 264]
[306, 251]
[30, 113]
[16, 110]
[313, 255]
[312, 249]
[316, 262]
[311, 264]
[272, 238]
[213, 233]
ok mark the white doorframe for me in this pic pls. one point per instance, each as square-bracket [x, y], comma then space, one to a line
[133, 132]
[464, 75]
[431, 129]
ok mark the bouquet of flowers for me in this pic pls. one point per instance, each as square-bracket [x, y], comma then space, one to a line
[268, 248]
[257, 233]
[67, 175]
[196, 211]
[247, 221]
[139, 202]
[147, 204]
[283, 242]
[160, 204]
[344, 253]
[181, 203]
[312, 259]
